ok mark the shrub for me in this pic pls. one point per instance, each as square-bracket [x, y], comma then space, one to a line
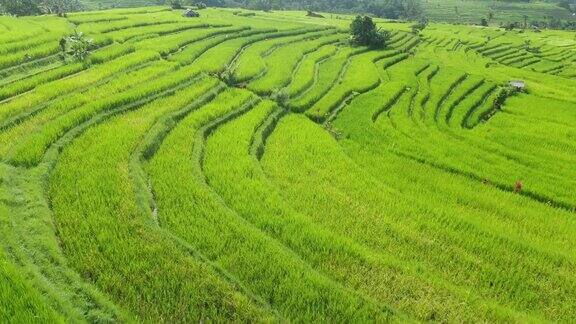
[76, 47]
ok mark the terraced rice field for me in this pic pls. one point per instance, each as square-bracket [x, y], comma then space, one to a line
[259, 168]
[453, 11]
[472, 11]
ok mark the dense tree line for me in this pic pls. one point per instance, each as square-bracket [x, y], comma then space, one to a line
[393, 9]
[551, 23]
[36, 7]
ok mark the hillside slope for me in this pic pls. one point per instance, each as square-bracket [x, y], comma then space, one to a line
[254, 167]
[452, 11]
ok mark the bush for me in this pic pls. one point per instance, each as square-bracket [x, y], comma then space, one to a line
[76, 47]
[364, 33]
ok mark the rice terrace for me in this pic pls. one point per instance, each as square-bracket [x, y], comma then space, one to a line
[230, 162]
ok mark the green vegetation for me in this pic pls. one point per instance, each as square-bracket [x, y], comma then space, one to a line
[496, 12]
[364, 33]
[257, 166]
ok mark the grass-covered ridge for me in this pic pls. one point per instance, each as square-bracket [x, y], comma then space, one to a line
[258, 168]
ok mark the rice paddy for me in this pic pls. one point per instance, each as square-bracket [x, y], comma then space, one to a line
[259, 168]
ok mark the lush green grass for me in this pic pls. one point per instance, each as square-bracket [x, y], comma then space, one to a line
[258, 168]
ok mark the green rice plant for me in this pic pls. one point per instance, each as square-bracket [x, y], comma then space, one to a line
[472, 102]
[19, 301]
[20, 86]
[50, 91]
[281, 162]
[522, 61]
[184, 286]
[267, 268]
[25, 69]
[282, 62]
[407, 44]
[528, 63]
[28, 234]
[305, 73]
[27, 32]
[448, 94]
[471, 84]
[29, 151]
[124, 35]
[398, 115]
[475, 115]
[397, 37]
[487, 150]
[130, 21]
[563, 56]
[392, 60]
[349, 83]
[191, 52]
[40, 51]
[472, 12]
[257, 201]
[94, 18]
[217, 59]
[113, 15]
[389, 98]
[483, 147]
[250, 62]
[28, 83]
[28, 44]
[511, 56]
[499, 50]
[504, 54]
[28, 124]
[444, 83]
[328, 73]
[144, 185]
[173, 42]
[423, 68]
[486, 48]
[416, 110]
[110, 52]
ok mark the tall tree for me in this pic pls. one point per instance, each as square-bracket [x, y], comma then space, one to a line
[364, 32]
